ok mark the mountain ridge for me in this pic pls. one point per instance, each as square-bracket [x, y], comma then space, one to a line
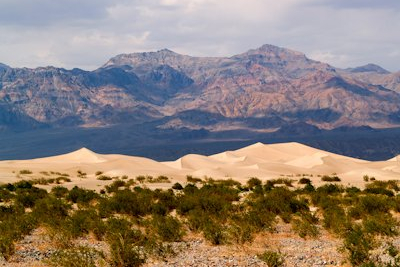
[275, 84]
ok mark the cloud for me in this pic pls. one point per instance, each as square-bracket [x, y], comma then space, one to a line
[86, 33]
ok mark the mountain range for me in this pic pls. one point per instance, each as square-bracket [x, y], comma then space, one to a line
[264, 90]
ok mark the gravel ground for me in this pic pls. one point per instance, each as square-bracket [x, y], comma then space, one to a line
[298, 252]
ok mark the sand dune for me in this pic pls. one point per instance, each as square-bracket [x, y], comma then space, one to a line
[265, 161]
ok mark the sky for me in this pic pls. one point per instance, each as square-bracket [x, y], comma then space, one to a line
[86, 33]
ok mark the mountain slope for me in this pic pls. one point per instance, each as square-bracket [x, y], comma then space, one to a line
[265, 88]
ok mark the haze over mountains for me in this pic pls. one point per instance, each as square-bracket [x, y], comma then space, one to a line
[269, 89]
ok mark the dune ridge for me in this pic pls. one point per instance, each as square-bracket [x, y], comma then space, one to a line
[265, 161]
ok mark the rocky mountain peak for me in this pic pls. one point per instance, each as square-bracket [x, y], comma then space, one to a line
[272, 51]
[4, 66]
[369, 68]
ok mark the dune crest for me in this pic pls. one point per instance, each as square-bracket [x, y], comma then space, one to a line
[265, 161]
[82, 155]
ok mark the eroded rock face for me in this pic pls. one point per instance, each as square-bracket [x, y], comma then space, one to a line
[270, 83]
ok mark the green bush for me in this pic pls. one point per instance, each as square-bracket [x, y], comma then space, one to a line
[28, 197]
[104, 178]
[7, 247]
[304, 181]
[168, 228]
[382, 224]
[240, 232]
[25, 172]
[330, 189]
[59, 191]
[81, 195]
[335, 219]
[358, 244]
[215, 232]
[272, 258]
[125, 201]
[51, 211]
[370, 204]
[253, 182]
[305, 225]
[191, 179]
[260, 221]
[333, 178]
[115, 186]
[177, 186]
[124, 244]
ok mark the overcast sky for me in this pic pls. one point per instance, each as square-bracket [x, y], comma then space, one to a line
[86, 33]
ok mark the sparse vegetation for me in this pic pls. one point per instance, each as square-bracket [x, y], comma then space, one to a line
[25, 172]
[332, 178]
[138, 223]
[272, 258]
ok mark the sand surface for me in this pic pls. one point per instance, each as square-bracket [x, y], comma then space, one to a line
[265, 161]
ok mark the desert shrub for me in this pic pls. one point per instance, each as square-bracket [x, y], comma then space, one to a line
[7, 247]
[305, 225]
[222, 182]
[190, 189]
[81, 222]
[308, 188]
[382, 224]
[357, 243]
[196, 219]
[191, 179]
[370, 204]
[279, 201]
[215, 232]
[333, 178]
[25, 172]
[98, 173]
[51, 210]
[215, 199]
[59, 191]
[5, 195]
[12, 228]
[253, 182]
[28, 197]
[104, 178]
[352, 191]
[239, 231]
[260, 221]
[24, 184]
[75, 257]
[62, 179]
[114, 186]
[390, 185]
[282, 181]
[177, 186]
[379, 191]
[81, 174]
[125, 201]
[329, 189]
[161, 179]
[335, 219]
[7, 211]
[168, 228]
[141, 179]
[272, 258]
[304, 181]
[167, 199]
[124, 243]
[81, 195]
